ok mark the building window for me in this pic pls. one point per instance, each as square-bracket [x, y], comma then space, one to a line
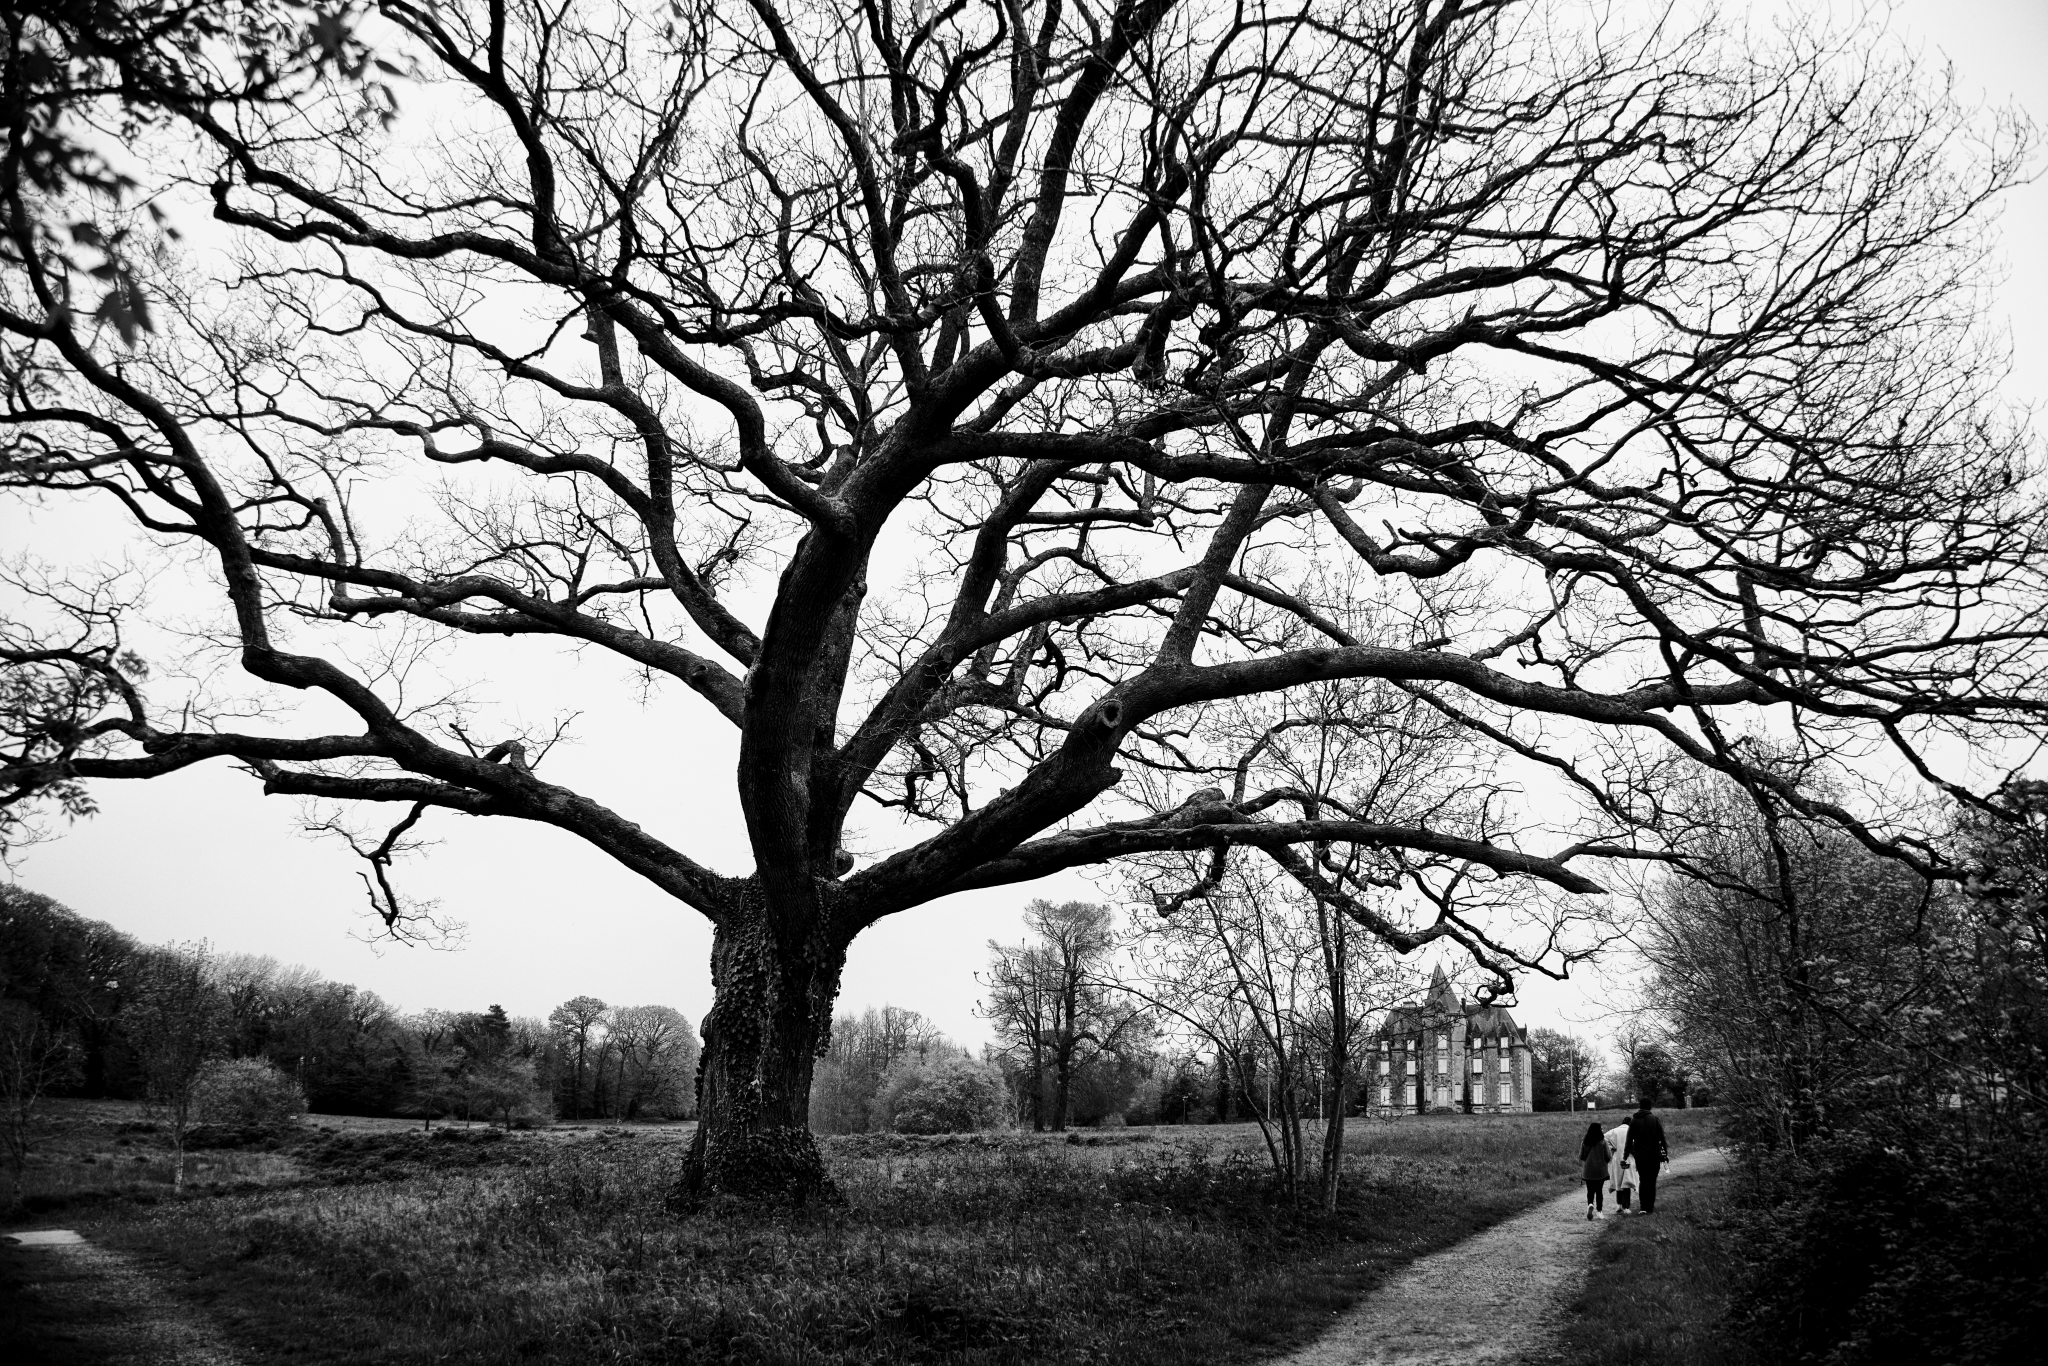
[1411, 1067]
[1478, 1064]
[1383, 1067]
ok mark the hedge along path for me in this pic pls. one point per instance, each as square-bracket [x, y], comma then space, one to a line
[93, 1304]
[1494, 1298]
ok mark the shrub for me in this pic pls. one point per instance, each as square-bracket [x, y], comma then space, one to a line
[944, 1095]
[841, 1098]
[1146, 1104]
[247, 1091]
[1924, 1247]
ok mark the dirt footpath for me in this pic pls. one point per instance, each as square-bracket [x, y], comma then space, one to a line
[64, 1302]
[1493, 1298]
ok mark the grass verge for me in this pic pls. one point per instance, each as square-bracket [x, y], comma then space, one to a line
[1659, 1292]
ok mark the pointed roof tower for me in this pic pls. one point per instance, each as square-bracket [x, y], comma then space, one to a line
[1443, 997]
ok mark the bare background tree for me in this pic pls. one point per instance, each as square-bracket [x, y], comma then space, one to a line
[1055, 1006]
[34, 1060]
[176, 1021]
[1279, 980]
[964, 404]
[1796, 971]
[1565, 1068]
[863, 1050]
[1282, 991]
[578, 1023]
[658, 1053]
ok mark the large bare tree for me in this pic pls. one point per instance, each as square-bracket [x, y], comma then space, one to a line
[1052, 1005]
[961, 401]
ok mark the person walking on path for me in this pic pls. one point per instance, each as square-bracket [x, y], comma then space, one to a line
[1648, 1150]
[1593, 1156]
[1619, 1174]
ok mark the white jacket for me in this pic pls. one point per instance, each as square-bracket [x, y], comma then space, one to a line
[1621, 1174]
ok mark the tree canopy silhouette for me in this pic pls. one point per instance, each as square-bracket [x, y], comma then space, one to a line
[997, 411]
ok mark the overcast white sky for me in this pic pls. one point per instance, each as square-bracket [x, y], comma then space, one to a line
[203, 855]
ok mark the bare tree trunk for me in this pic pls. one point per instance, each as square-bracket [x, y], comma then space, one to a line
[1063, 1059]
[576, 1094]
[181, 1108]
[1288, 1086]
[771, 1015]
[1277, 1110]
[1336, 1075]
[1337, 1062]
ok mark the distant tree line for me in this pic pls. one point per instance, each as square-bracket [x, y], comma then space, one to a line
[86, 1003]
[1234, 1023]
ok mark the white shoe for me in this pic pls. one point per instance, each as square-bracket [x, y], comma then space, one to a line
[1589, 1213]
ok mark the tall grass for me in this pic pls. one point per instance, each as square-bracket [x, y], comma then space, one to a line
[1150, 1250]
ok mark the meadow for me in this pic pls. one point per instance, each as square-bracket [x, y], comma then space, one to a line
[350, 1242]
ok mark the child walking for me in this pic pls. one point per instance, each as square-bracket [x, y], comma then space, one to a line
[1593, 1154]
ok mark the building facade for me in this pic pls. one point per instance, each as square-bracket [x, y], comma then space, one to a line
[1447, 1055]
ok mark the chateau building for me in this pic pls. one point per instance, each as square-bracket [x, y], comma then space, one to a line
[1447, 1055]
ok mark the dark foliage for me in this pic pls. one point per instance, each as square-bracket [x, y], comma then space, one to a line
[344, 1158]
[73, 972]
[233, 1137]
[1879, 1046]
[64, 55]
[1872, 1253]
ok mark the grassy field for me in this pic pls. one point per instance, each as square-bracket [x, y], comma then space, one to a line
[1136, 1245]
[1659, 1291]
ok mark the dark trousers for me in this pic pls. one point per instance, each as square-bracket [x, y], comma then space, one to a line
[1646, 1177]
[1594, 1186]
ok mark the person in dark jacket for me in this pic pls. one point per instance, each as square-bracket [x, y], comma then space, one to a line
[1593, 1155]
[1648, 1150]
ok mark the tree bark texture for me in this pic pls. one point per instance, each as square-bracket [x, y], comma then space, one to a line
[770, 1019]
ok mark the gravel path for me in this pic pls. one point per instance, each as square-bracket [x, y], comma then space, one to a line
[67, 1301]
[1493, 1298]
